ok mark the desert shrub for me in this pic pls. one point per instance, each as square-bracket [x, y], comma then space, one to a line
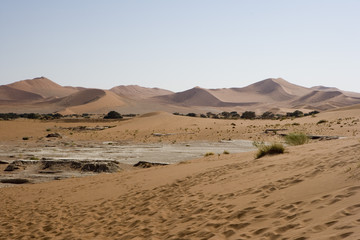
[209, 154]
[312, 113]
[296, 113]
[296, 139]
[32, 115]
[322, 121]
[248, 115]
[263, 149]
[226, 152]
[191, 114]
[225, 114]
[267, 115]
[113, 115]
[234, 115]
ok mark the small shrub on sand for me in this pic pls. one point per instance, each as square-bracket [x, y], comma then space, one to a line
[322, 121]
[263, 149]
[209, 154]
[296, 139]
[226, 152]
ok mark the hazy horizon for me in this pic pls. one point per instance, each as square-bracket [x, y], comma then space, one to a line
[177, 45]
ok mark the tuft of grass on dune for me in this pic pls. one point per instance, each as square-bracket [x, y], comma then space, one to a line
[272, 149]
[296, 139]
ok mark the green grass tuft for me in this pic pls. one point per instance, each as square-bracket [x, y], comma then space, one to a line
[296, 139]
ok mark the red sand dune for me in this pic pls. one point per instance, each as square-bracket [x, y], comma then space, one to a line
[44, 87]
[269, 94]
[137, 92]
[9, 94]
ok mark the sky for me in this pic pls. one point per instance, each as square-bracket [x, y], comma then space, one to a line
[180, 44]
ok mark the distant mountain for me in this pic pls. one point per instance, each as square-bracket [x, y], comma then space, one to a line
[275, 94]
[137, 92]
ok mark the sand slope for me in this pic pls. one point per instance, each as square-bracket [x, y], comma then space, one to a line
[347, 93]
[138, 92]
[11, 95]
[311, 192]
[324, 100]
[273, 94]
[44, 87]
[264, 95]
[106, 101]
[194, 97]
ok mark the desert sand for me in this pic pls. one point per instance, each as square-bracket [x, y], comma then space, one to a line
[41, 95]
[311, 191]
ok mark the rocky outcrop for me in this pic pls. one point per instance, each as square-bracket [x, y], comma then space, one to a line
[53, 166]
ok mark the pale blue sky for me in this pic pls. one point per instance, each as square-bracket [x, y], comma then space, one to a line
[177, 45]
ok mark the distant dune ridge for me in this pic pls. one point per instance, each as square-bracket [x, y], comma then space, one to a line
[137, 92]
[43, 95]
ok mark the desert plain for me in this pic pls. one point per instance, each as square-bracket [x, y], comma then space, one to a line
[312, 191]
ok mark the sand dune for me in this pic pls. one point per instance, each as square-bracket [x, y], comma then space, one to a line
[306, 193]
[44, 87]
[9, 95]
[275, 91]
[270, 88]
[269, 94]
[316, 97]
[310, 192]
[102, 102]
[346, 93]
[193, 97]
[138, 92]
[81, 97]
[325, 100]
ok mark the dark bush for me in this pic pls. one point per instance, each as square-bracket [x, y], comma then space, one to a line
[267, 115]
[296, 113]
[113, 115]
[248, 115]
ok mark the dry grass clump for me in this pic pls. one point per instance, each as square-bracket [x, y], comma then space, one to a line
[322, 121]
[296, 139]
[272, 149]
[209, 154]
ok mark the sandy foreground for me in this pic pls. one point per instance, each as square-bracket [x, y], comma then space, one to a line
[310, 192]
